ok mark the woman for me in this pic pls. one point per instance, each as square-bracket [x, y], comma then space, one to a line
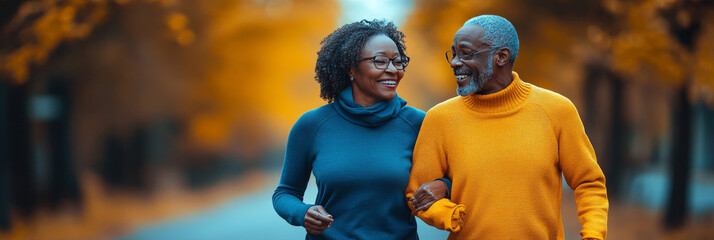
[359, 145]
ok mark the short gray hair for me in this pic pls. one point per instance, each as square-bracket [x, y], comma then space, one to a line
[499, 33]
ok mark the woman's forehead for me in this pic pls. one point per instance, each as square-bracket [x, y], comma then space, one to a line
[380, 44]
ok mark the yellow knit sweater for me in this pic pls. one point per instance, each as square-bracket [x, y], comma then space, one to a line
[505, 153]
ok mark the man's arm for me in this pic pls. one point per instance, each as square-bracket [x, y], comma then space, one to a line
[583, 174]
[429, 163]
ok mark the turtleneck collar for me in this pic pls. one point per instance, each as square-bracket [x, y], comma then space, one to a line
[372, 116]
[509, 98]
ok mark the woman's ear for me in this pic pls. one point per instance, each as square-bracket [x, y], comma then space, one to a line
[352, 72]
[503, 57]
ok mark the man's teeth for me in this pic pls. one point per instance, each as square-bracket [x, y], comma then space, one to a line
[461, 77]
[388, 82]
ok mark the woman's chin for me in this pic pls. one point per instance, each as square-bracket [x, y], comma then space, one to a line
[389, 95]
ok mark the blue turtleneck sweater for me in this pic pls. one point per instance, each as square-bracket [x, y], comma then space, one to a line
[361, 159]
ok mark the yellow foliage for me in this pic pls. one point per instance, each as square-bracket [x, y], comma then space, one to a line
[176, 21]
[243, 61]
[645, 45]
[245, 69]
[178, 24]
[57, 22]
[264, 60]
[704, 58]
[210, 131]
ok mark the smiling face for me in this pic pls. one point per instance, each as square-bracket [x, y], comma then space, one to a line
[471, 74]
[370, 84]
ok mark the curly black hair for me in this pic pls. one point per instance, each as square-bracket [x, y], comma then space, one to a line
[341, 49]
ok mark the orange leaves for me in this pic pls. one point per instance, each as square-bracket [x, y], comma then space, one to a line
[39, 27]
[176, 21]
[235, 63]
[263, 56]
[645, 45]
[704, 63]
[178, 24]
[210, 131]
[57, 22]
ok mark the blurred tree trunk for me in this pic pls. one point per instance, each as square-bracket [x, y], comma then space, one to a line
[686, 33]
[63, 171]
[136, 166]
[113, 160]
[8, 8]
[5, 196]
[595, 75]
[22, 174]
[680, 163]
[618, 136]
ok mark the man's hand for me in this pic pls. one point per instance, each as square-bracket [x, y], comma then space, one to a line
[427, 194]
[317, 220]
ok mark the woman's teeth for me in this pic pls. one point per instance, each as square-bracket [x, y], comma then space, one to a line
[388, 82]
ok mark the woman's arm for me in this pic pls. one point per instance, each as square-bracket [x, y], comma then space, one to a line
[297, 166]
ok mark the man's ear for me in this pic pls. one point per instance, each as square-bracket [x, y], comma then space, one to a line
[503, 57]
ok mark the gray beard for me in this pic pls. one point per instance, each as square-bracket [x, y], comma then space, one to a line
[476, 84]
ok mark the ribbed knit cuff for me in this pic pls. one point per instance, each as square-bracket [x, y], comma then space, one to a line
[445, 215]
[590, 234]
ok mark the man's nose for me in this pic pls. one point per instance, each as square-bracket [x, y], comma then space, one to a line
[456, 62]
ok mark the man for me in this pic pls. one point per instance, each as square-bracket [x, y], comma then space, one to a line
[504, 143]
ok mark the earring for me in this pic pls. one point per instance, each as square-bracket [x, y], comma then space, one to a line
[352, 79]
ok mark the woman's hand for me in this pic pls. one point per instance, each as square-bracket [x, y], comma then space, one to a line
[427, 194]
[317, 220]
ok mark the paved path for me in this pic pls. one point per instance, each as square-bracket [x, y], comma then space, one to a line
[251, 216]
[246, 217]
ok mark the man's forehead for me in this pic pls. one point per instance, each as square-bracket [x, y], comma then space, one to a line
[470, 33]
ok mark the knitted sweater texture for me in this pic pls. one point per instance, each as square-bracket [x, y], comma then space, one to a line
[360, 158]
[505, 153]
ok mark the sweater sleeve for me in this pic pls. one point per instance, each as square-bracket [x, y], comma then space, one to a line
[415, 118]
[582, 173]
[429, 163]
[297, 166]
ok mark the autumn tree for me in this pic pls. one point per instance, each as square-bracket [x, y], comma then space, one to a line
[156, 84]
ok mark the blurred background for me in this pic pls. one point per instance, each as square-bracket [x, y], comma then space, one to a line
[167, 119]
